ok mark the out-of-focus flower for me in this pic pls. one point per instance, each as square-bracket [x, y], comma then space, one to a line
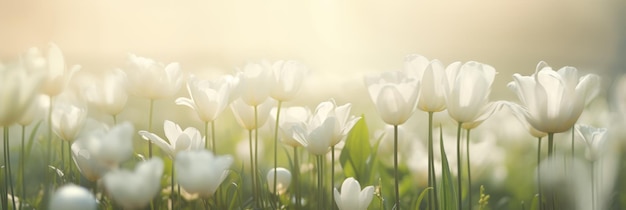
[98, 151]
[201, 172]
[394, 95]
[68, 117]
[283, 179]
[17, 91]
[72, 197]
[244, 113]
[152, 80]
[291, 118]
[255, 83]
[467, 93]
[53, 65]
[208, 98]
[552, 100]
[287, 79]
[135, 189]
[109, 94]
[594, 138]
[326, 127]
[352, 197]
[35, 110]
[179, 139]
[432, 79]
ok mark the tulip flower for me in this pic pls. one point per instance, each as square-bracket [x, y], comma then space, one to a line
[179, 139]
[109, 94]
[553, 100]
[201, 172]
[245, 116]
[18, 90]
[394, 95]
[292, 118]
[594, 138]
[283, 179]
[99, 150]
[287, 79]
[72, 197]
[352, 197]
[53, 65]
[68, 117]
[208, 98]
[255, 83]
[432, 79]
[135, 189]
[152, 80]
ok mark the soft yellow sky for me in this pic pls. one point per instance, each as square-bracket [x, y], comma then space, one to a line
[339, 40]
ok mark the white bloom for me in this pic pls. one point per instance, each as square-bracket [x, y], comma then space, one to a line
[17, 92]
[68, 117]
[288, 77]
[290, 119]
[135, 189]
[201, 172]
[283, 177]
[595, 139]
[553, 100]
[179, 139]
[208, 98]
[432, 79]
[244, 113]
[394, 95]
[153, 80]
[255, 83]
[72, 197]
[467, 93]
[54, 67]
[109, 94]
[352, 197]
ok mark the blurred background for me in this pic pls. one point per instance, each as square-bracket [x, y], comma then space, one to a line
[339, 40]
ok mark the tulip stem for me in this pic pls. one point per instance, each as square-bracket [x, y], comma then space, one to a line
[458, 167]
[7, 163]
[150, 127]
[320, 182]
[69, 160]
[276, 148]
[48, 158]
[539, 173]
[22, 165]
[213, 145]
[573, 153]
[550, 151]
[332, 176]
[256, 154]
[593, 186]
[395, 165]
[172, 187]
[114, 119]
[469, 173]
[296, 174]
[252, 171]
[432, 181]
[206, 134]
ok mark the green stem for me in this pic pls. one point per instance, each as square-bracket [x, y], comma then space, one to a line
[432, 180]
[550, 158]
[252, 171]
[22, 165]
[458, 167]
[48, 158]
[395, 166]
[7, 163]
[469, 173]
[539, 173]
[63, 154]
[172, 187]
[150, 127]
[213, 145]
[296, 174]
[276, 147]
[206, 134]
[114, 119]
[320, 182]
[573, 153]
[593, 186]
[332, 176]
[69, 162]
[256, 154]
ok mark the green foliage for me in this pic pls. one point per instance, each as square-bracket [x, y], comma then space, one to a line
[448, 190]
[357, 157]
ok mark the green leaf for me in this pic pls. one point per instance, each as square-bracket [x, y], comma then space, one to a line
[421, 197]
[356, 155]
[448, 190]
[535, 203]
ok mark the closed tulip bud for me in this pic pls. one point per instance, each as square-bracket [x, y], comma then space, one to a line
[287, 79]
[352, 197]
[283, 179]
[72, 197]
[394, 95]
[152, 80]
[200, 172]
[135, 189]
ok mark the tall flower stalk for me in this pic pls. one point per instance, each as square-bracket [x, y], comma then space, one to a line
[432, 77]
[395, 96]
